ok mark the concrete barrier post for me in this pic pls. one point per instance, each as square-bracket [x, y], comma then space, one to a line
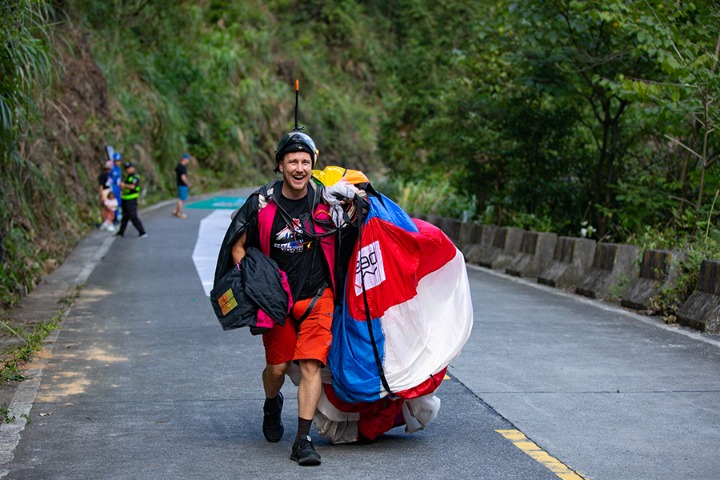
[474, 252]
[536, 252]
[572, 259]
[505, 246]
[434, 219]
[702, 309]
[470, 234]
[613, 264]
[658, 270]
[451, 227]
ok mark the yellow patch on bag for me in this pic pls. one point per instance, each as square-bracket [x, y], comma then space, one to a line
[227, 302]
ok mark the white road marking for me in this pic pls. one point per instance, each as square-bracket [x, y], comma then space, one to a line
[210, 235]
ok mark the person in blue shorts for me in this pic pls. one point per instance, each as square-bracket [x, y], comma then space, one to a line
[183, 185]
[115, 179]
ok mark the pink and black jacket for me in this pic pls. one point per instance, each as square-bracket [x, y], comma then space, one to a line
[256, 217]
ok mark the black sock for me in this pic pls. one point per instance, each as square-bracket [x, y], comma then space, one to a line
[303, 428]
[272, 404]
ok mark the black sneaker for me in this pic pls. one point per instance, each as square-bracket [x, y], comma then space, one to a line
[273, 428]
[304, 453]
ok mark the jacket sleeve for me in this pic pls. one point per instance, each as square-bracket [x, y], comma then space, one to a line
[243, 219]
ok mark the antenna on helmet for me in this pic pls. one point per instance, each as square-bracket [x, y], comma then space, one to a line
[297, 89]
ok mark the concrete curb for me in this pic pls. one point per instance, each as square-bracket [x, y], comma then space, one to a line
[451, 227]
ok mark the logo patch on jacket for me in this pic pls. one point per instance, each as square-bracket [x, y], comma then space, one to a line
[369, 268]
[227, 302]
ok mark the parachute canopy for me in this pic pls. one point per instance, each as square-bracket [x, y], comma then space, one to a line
[404, 315]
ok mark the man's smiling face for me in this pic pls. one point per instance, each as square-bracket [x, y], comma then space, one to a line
[296, 169]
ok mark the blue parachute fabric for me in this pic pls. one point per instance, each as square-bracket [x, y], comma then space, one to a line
[385, 209]
[355, 376]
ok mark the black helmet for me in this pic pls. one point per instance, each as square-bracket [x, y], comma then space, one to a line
[296, 141]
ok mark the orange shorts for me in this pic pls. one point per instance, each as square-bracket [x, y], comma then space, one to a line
[310, 341]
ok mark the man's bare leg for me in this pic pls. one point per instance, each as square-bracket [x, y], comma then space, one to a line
[309, 392]
[309, 389]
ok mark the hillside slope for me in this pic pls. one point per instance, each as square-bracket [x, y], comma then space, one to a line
[212, 79]
[49, 193]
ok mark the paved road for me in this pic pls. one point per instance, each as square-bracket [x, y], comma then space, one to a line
[141, 383]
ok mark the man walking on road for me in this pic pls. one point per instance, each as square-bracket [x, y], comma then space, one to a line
[130, 193]
[182, 184]
[282, 219]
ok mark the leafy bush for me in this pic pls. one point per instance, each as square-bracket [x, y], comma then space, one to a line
[423, 197]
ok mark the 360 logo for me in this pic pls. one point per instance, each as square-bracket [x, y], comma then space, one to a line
[369, 268]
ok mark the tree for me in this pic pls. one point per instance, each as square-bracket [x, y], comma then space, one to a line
[684, 40]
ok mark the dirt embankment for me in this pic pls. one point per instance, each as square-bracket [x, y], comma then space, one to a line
[77, 116]
[52, 194]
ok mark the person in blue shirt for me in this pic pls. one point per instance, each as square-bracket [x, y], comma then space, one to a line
[115, 179]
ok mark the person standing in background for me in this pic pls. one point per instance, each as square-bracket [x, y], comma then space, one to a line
[130, 193]
[183, 185]
[104, 188]
[110, 206]
[115, 179]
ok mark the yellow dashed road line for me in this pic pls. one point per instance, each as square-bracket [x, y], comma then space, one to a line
[550, 462]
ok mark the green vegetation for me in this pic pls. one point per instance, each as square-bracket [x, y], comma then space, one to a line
[555, 115]
[574, 111]
[216, 78]
[31, 342]
[434, 195]
[26, 71]
[561, 115]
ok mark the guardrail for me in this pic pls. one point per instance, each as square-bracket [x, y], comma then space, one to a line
[596, 270]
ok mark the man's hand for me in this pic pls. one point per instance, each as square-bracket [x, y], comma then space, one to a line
[238, 249]
[340, 193]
